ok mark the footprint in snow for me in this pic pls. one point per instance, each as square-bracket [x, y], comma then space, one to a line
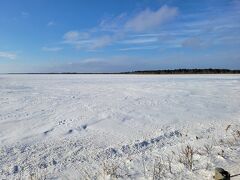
[48, 131]
[84, 126]
[70, 131]
[15, 169]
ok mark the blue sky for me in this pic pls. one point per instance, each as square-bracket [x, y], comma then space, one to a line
[115, 36]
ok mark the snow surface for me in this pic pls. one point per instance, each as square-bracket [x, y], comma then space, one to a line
[82, 126]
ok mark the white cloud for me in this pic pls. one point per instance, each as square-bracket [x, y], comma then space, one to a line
[92, 43]
[148, 19]
[113, 29]
[52, 49]
[7, 55]
[51, 23]
[149, 35]
[100, 42]
[140, 40]
[113, 24]
[72, 36]
[83, 40]
[139, 48]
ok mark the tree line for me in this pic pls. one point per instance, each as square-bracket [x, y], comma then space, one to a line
[187, 71]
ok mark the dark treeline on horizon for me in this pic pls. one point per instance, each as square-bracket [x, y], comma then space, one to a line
[187, 71]
[167, 71]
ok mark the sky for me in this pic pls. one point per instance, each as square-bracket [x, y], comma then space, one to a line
[118, 35]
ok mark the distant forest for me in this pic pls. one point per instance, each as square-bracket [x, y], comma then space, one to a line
[169, 71]
[187, 71]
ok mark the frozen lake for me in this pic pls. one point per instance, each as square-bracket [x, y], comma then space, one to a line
[52, 112]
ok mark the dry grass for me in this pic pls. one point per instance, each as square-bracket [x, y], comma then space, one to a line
[186, 157]
[207, 149]
[158, 169]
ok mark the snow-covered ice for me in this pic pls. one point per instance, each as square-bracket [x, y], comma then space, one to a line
[81, 126]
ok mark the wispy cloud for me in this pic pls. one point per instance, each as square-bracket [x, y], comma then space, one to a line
[141, 21]
[51, 23]
[83, 40]
[100, 42]
[113, 23]
[139, 48]
[148, 35]
[149, 19]
[140, 40]
[72, 36]
[52, 49]
[7, 55]
[157, 28]
[115, 29]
